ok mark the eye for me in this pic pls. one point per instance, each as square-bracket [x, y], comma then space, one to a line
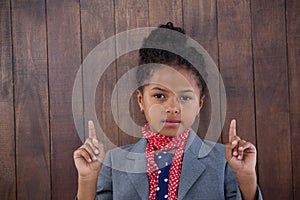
[159, 96]
[185, 98]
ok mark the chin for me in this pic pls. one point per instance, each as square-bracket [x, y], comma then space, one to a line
[171, 132]
[168, 134]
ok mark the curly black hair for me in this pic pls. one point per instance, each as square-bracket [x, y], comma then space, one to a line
[162, 37]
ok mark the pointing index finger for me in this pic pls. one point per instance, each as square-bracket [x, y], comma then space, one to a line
[232, 130]
[92, 131]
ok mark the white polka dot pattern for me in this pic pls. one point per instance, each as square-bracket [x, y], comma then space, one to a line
[160, 142]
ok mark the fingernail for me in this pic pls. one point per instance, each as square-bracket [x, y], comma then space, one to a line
[235, 153]
[240, 148]
[95, 140]
[89, 160]
[96, 151]
[234, 142]
[239, 157]
[94, 158]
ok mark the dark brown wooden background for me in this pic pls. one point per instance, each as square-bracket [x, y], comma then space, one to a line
[255, 43]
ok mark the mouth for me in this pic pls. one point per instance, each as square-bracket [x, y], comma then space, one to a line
[171, 122]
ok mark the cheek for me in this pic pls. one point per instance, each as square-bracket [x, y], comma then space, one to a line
[190, 111]
[155, 112]
[154, 116]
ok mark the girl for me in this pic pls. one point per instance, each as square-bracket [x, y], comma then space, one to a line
[165, 163]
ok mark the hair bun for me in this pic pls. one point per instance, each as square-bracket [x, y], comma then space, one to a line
[170, 25]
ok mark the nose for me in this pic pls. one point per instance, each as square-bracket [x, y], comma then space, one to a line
[173, 106]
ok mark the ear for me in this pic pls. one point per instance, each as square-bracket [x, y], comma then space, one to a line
[139, 97]
[201, 103]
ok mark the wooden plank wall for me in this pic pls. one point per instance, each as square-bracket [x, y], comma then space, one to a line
[272, 113]
[64, 57]
[31, 99]
[255, 43]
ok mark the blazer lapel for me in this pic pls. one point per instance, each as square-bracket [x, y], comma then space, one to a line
[138, 162]
[192, 166]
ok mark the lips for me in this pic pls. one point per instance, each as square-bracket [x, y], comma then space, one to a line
[172, 122]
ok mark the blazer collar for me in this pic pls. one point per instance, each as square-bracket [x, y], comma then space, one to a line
[138, 150]
[194, 144]
[192, 166]
[137, 157]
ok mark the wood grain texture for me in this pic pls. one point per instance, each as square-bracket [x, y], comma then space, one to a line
[293, 48]
[161, 12]
[43, 43]
[129, 14]
[271, 96]
[63, 20]
[235, 55]
[31, 100]
[7, 136]
[200, 23]
[97, 22]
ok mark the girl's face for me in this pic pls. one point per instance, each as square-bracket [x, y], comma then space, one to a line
[171, 100]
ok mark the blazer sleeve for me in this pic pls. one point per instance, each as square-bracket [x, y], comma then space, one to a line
[232, 191]
[104, 184]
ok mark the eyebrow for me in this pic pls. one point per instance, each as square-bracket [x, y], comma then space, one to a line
[164, 90]
[188, 90]
[158, 88]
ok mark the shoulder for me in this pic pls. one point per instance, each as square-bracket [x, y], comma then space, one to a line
[216, 148]
[204, 148]
[207, 151]
[127, 152]
[129, 158]
[138, 147]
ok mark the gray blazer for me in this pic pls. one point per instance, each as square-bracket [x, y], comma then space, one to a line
[123, 175]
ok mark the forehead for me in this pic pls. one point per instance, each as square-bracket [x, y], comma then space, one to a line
[174, 78]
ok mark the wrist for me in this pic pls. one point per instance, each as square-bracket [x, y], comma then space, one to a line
[87, 187]
[247, 180]
[248, 185]
[89, 177]
[248, 176]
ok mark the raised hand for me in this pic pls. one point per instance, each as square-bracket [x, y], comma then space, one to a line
[240, 154]
[89, 157]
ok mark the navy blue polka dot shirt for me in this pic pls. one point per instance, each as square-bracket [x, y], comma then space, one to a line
[163, 160]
